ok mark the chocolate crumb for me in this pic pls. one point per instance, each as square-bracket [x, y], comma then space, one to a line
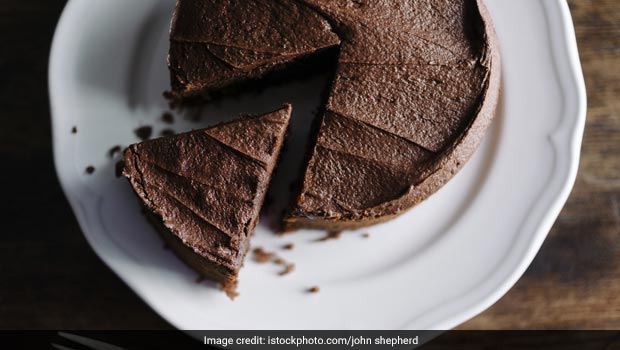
[288, 268]
[365, 235]
[114, 150]
[74, 130]
[90, 169]
[144, 132]
[167, 118]
[330, 235]
[167, 132]
[314, 289]
[261, 256]
[118, 168]
[288, 246]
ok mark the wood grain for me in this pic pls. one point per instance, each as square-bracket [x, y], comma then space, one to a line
[52, 279]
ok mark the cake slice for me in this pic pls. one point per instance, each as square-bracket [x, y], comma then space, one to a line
[203, 189]
[217, 43]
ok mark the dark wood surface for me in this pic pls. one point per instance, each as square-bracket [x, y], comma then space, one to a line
[50, 278]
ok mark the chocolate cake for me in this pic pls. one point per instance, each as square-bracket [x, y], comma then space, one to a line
[215, 43]
[204, 189]
[416, 84]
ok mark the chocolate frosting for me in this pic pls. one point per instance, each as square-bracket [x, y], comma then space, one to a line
[216, 43]
[207, 186]
[416, 85]
[421, 77]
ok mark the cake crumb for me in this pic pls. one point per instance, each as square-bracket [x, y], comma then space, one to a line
[314, 289]
[365, 235]
[74, 130]
[167, 118]
[144, 132]
[288, 268]
[90, 169]
[118, 168]
[288, 246]
[330, 235]
[261, 256]
[114, 150]
[232, 294]
[167, 132]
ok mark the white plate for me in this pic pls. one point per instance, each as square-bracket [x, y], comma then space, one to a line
[437, 266]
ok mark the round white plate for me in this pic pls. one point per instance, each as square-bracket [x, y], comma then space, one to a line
[433, 268]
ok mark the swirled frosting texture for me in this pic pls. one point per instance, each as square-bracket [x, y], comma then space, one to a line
[416, 84]
[206, 187]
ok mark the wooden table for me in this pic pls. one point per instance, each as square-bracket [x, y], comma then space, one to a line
[52, 279]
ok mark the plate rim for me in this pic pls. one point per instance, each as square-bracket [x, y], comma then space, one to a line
[565, 51]
[568, 136]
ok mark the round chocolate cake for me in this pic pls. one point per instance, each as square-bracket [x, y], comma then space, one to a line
[416, 85]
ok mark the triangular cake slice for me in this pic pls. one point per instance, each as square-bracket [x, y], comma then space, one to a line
[203, 189]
